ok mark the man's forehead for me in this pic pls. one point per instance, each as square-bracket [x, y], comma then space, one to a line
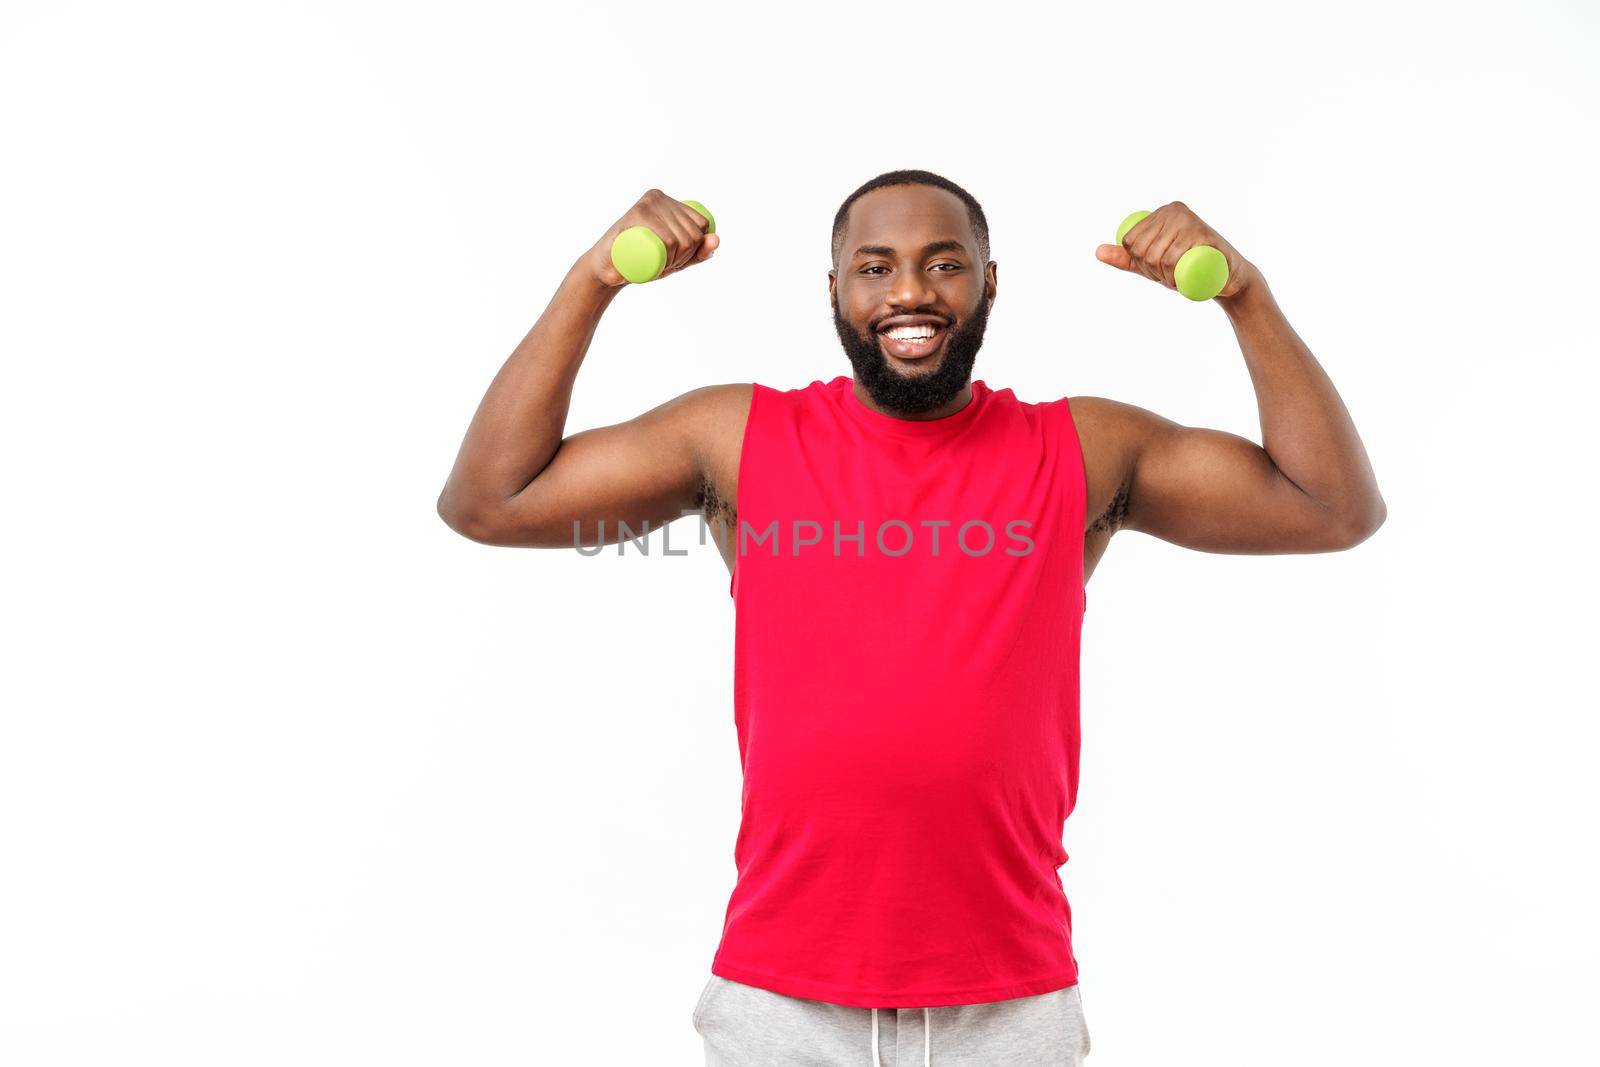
[911, 214]
[908, 237]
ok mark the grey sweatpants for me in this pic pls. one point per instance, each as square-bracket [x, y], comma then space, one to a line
[745, 1026]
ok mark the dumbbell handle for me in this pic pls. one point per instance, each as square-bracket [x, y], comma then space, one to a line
[639, 253]
[1201, 272]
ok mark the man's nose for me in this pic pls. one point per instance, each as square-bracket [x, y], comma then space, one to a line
[911, 290]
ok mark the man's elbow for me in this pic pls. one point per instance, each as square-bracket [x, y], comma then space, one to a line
[472, 521]
[1363, 524]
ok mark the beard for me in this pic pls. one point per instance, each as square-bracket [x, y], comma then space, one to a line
[918, 392]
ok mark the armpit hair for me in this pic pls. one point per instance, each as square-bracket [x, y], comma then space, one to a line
[1116, 511]
[713, 506]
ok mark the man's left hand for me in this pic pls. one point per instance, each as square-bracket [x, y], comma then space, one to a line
[1154, 244]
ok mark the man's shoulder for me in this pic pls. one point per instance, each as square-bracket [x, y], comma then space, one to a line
[737, 396]
[1085, 406]
[1110, 418]
[1116, 432]
[1096, 414]
[708, 419]
[723, 402]
[1094, 406]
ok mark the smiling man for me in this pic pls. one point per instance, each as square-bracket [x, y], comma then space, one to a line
[913, 363]
[906, 691]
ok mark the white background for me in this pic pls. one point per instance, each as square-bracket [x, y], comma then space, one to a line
[292, 774]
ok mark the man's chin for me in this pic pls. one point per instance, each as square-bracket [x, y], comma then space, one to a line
[914, 368]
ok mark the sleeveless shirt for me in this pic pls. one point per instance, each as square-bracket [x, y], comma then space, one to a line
[908, 600]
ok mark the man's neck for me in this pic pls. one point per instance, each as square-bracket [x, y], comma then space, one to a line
[950, 407]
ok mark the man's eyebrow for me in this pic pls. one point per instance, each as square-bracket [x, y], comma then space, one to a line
[927, 250]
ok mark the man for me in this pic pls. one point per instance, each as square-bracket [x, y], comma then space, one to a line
[908, 549]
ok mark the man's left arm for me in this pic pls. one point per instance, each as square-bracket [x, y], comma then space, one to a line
[1308, 487]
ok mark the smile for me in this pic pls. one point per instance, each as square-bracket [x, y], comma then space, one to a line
[912, 342]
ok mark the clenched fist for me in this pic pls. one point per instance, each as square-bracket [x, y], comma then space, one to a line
[680, 227]
[1154, 244]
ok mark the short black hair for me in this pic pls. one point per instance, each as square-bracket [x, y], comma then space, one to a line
[980, 224]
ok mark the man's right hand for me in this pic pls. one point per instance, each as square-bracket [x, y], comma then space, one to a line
[680, 227]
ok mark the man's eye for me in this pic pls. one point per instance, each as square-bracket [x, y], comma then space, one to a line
[952, 266]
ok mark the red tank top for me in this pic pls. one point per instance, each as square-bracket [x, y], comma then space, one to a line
[909, 599]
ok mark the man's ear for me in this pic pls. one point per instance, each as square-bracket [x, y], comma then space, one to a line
[832, 278]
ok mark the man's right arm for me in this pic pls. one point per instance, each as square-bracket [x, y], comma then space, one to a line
[517, 482]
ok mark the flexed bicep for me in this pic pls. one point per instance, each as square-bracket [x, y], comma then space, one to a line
[614, 482]
[1216, 491]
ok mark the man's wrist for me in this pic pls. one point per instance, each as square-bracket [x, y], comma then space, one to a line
[1251, 296]
[582, 284]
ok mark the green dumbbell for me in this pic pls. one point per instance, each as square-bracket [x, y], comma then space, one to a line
[640, 255]
[1201, 272]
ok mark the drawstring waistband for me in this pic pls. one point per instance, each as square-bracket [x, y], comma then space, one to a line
[927, 1038]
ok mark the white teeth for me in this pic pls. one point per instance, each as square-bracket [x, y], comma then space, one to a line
[910, 333]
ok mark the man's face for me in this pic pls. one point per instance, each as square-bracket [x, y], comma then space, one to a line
[910, 258]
